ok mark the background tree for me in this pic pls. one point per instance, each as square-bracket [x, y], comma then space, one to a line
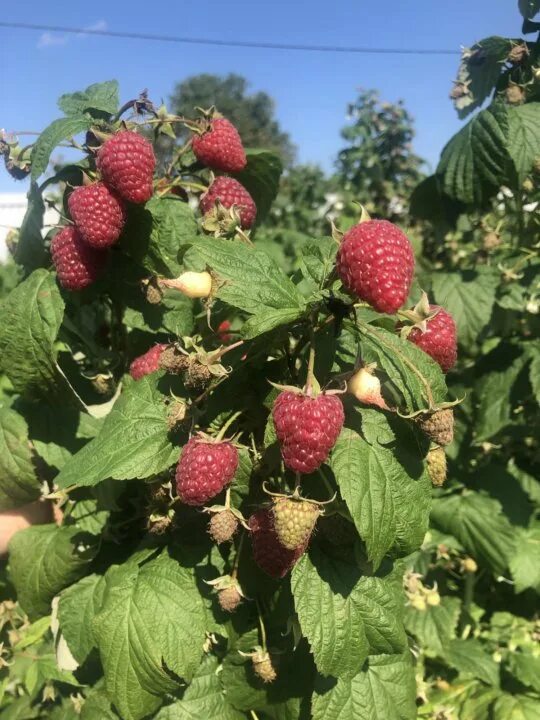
[252, 114]
[377, 163]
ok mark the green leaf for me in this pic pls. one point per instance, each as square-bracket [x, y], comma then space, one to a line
[154, 234]
[474, 163]
[268, 320]
[344, 616]
[317, 260]
[470, 658]
[261, 178]
[525, 563]
[523, 137]
[27, 354]
[480, 526]
[515, 707]
[97, 706]
[52, 136]
[34, 633]
[469, 297]
[151, 617]
[384, 689]
[481, 77]
[526, 668]
[204, 698]
[102, 97]
[435, 626]
[494, 412]
[247, 278]
[529, 8]
[19, 484]
[534, 372]
[389, 504]
[76, 610]
[30, 249]
[43, 560]
[413, 373]
[133, 441]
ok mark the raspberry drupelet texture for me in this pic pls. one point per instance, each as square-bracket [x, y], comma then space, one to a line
[147, 363]
[98, 214]
[375, 262]
[439, 340]
[126, 162]
[438, 426]
[77, 264]
[268, 552]
[307, 428]
[204, 470]
[220, 147]
[294, 521]
[230, 192]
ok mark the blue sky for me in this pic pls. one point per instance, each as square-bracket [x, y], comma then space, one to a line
[311, 90]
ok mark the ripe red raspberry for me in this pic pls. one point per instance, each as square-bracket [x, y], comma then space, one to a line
[147, 363]
[220, 147]
[98, 214]
[126, 162]
[375, 262]
[204, 469]
[77, 264]
[268, 552]
[439, 340]
[230, 192]
[223, 331]
[307, 428]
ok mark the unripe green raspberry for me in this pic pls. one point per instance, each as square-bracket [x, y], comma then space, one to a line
[294, 520]
[436, 464]
[263, 666]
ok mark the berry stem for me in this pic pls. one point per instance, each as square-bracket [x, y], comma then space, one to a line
[234, 572]
[227, 425]
[261, 627]
[220, 353]
[311, 360]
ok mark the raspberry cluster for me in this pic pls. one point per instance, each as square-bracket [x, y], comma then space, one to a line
[126, 163]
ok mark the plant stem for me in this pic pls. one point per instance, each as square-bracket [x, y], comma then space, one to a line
[261, 627]
[311, 360]
[468, 598]
[234, 572]
[227, 425]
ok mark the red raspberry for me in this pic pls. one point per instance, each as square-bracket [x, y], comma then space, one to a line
[77, 264]
[223, 331]
[126, 163]
[375, 262]
[147, 363]
[230, 192]
[220, 147]
[307, 428]
[98, 214]
[439, 340]
[204, 469]
[268, 552]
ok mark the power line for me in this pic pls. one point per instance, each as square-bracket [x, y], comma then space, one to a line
[229, 43]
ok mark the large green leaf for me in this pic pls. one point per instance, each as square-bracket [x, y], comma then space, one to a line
[248, 279]
[471, 658]
[389, 502]
[32, 314]
[345, 616]
[479, 71]
[417, 378]
[204, 698]
[525, 563]
[384, 689]
[152, 617]
[133, 441]
[156, 232]
[479, 524]
[526, 667]
[474, 163]
[261, 178]
[58, 130]
[523, 137]
[30, 249]
[43, 560]
[76, 610]
[19, 483]
[469, 297]
[435, 626]
[100, 97]
[515, 707]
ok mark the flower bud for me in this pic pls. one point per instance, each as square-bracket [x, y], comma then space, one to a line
[191, 284]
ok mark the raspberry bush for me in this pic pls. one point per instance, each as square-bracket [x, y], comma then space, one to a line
[189, 467]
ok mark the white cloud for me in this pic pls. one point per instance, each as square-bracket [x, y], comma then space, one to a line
[48, 39]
